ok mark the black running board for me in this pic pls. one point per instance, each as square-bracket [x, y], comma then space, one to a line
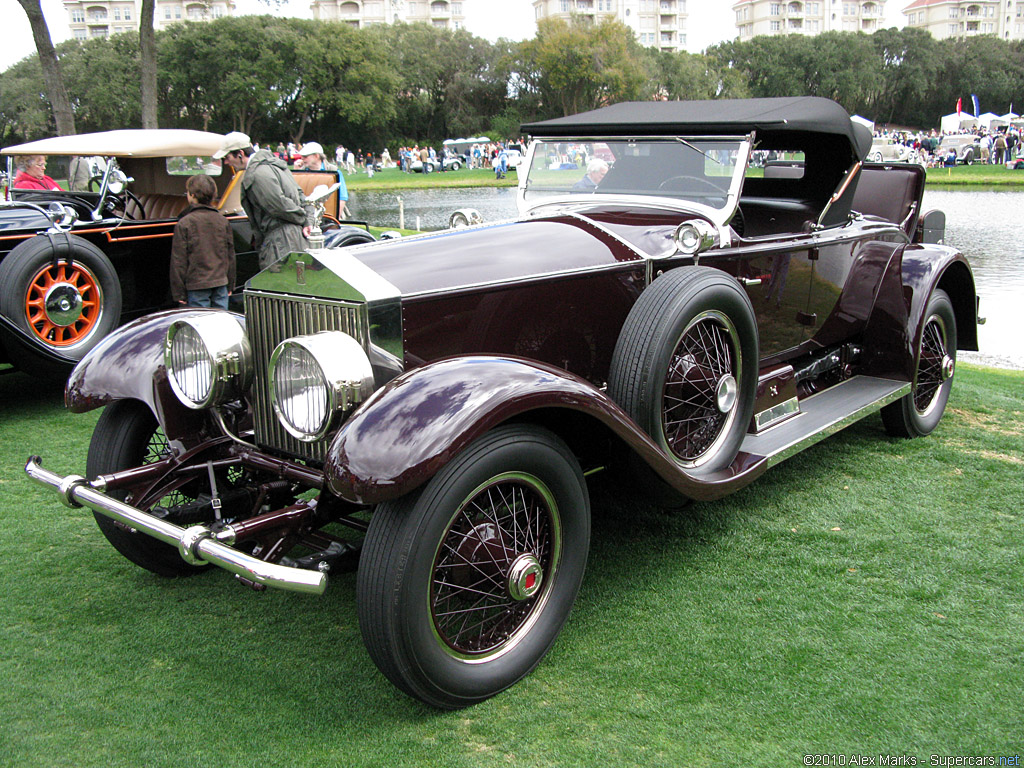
[824, 414]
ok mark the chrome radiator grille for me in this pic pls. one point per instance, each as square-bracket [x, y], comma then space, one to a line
[269, 320]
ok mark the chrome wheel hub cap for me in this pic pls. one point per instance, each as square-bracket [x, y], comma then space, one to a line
[63, 304]
[947, 367]
[726, 393]
[525, 577]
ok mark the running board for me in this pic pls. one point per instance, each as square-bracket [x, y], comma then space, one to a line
[824, 414]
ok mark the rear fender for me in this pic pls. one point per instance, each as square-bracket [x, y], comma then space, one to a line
[129, 364]
[408, 430]
[897, 315]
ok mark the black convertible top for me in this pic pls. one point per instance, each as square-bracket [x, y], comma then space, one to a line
[769, 117]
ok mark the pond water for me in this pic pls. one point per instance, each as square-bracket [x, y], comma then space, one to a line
[985, 225]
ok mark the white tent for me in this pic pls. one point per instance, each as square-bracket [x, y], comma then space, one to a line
[954, 123]
[990, 120]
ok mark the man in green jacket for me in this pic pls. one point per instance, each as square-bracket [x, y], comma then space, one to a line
[281, 218]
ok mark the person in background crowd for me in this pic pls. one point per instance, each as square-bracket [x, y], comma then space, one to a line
[999, 149]
[339, 155]
[501, 163]
[425, 159]
[280, 217]
[32, 175]
[82, 170]
[203, 249]
[596, 170]
[314, 160]
[385, 158]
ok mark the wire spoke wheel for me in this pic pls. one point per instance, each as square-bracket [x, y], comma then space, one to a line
[491, 567]
[932, 369]
[919, 412]
[699, 400]
[685, 368]
[465, 583]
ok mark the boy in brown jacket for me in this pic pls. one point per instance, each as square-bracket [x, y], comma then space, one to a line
[203, 250]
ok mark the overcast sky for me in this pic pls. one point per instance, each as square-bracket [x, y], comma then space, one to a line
[710, 21]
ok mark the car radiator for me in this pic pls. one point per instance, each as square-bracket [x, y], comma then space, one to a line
[270, 319]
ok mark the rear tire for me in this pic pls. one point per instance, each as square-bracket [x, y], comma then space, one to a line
[918, 413]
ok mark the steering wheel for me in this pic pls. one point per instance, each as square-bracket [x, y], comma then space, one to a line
[95, 183]
[118, 205]
[682, 184]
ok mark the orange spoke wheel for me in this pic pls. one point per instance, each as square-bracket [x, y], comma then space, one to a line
[63, 303]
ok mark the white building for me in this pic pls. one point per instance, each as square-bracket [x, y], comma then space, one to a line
[810, 17]
[656, 23]
[967, 18]
[445, 14]
[101, 18]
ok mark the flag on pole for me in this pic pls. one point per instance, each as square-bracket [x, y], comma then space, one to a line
[959, 107]
[977, 109]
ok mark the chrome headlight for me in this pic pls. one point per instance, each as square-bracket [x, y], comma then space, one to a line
[315, 379]
[208, 359]
[694, 236]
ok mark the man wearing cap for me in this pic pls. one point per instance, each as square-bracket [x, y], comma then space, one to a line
[281, 218]
[314, 159]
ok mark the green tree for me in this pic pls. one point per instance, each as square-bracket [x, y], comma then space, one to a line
[350, 91]
[575, 66]
[25, 112]
[686, 76]
[909, 62]
[63, 115]
[103, 75]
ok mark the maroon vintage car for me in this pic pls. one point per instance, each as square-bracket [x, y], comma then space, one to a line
[661, 309]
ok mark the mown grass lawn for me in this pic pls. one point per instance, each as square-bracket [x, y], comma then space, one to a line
[392, 178]
[863, 597]
[979, 174]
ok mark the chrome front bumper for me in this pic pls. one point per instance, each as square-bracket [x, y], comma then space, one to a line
[196, 544]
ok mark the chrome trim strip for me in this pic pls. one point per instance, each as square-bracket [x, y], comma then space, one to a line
[196, 544]
[776, 413]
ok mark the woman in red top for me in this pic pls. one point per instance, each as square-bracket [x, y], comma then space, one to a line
[33, 175]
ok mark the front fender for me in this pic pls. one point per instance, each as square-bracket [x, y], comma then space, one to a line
[412, 427]
[129, 364]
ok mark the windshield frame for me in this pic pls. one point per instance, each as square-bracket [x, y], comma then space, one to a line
[569, 201]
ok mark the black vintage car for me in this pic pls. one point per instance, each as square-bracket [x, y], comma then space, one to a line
[660, 310]
[76, 264]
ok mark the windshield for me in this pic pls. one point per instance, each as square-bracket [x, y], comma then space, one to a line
[700, 170]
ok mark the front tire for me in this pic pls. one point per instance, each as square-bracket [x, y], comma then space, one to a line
[464, 585]
[128, 435]
[918, 413]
